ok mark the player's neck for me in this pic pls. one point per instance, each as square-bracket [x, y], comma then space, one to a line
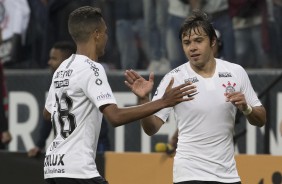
[87, 50]
[207, 70]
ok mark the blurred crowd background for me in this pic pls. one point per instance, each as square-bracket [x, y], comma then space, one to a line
[143, 34]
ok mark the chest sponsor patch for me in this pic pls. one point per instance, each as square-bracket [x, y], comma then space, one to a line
[224, 74]
[192, 79]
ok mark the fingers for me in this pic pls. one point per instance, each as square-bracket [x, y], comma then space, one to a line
[237, 98]
[131, 76]
[128, 76]
[128, 85]
[151, 77]
[184, 85]
[135, 74]
[187, 89]
[170, 84]
[185, 92]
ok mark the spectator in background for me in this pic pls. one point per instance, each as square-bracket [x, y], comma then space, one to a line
[155, 16]
[178, 10]
[130, 32]
[35, 34]
[58, 53]
[250, 32]
[14, 22]
[275, 29]
[56, 28]
[5, 136]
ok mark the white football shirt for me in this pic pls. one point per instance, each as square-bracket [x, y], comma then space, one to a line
[205, 149]
[79, 87]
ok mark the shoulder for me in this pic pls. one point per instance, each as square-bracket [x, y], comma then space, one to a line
[177, 73]
[229, 66]
[88, 65]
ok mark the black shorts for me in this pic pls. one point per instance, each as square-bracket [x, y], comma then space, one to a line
[96, 180]
[204, 182]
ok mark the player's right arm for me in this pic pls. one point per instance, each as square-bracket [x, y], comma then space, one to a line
[120, 116]
[46, 115]
[48, 104]
[142, 88]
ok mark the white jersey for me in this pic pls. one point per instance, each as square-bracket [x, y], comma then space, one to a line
[205, 149]
[79, 87]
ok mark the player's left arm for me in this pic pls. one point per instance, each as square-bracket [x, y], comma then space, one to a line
[256, 115]
[246, 99]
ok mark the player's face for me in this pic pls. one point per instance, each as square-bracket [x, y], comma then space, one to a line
[56, 57]
[102, 39]
[197, 47]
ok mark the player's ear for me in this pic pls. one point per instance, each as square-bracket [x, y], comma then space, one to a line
[96, 34]
[213, 42]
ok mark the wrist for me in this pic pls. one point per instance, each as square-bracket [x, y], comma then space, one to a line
[248, 110]
[142, 100]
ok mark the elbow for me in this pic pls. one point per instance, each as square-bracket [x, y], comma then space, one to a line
[263, 120]
[259, 123]
[114, 124]
[150, 132]
[46, 115]
[115, 121]
[262, 123]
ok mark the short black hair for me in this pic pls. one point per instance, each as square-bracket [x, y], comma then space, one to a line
[83, 22]
[197, 20]
[66, 46]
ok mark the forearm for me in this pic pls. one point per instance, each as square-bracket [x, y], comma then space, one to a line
[257, 117]
[150, 123]
[120, 116]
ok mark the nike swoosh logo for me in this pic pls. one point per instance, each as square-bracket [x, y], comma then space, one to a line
[191, 95]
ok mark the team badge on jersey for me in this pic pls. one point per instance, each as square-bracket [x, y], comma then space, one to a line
[229, 88]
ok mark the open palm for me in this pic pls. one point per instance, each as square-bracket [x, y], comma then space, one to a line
[138, 85]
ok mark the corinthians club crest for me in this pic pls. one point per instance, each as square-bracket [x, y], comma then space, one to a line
[229, 88]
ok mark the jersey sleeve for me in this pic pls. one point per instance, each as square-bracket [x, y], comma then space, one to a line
[163, 113]
[247, 89]
[97, 87]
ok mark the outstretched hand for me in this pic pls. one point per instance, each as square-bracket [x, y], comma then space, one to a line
[138, 85]
[178, 94]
